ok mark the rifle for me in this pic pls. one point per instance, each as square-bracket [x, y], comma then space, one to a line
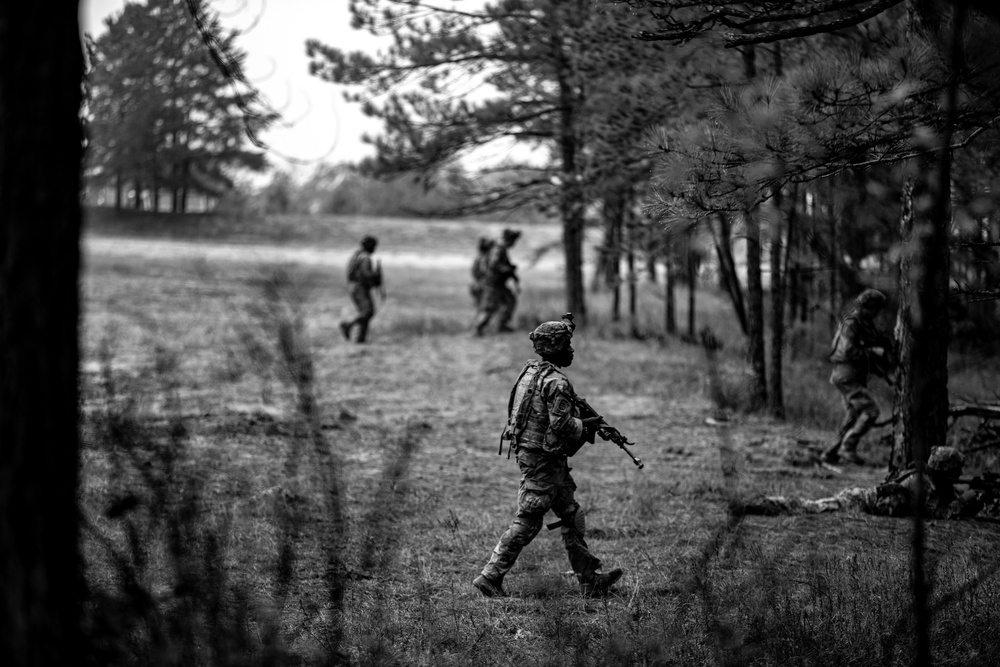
[606, 432]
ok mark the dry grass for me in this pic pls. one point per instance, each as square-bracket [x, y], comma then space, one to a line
[261, 492]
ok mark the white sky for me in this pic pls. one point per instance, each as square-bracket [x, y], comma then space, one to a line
[318, 125]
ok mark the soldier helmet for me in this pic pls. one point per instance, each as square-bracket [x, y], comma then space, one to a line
[510, 234]
[870, 298]
[368, 241]
[945, 460]
[485, 243]
[551, 337]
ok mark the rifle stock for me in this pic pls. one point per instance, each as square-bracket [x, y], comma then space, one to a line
[607, 432]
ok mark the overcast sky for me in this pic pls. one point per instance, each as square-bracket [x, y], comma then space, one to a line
[318, 124]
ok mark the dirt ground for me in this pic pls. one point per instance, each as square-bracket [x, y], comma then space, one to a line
[412, 420]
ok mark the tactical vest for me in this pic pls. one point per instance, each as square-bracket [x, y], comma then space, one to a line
[527, 415]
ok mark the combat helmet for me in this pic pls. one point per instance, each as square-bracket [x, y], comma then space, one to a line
[509, 234]
[551, 337]
[946, 460]
[870, 297]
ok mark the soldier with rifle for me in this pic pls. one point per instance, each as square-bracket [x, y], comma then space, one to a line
[858, 350]
[946, 494]
[545, 426]
[363, 276]
[497, 298]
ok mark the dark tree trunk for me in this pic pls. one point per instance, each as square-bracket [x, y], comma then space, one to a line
[755, 313]
[630, 264]
[572, 202]
[902, 403]
[723, 240]
[692, 280]
[137, 198]
[669, 296]
[40, 219]
[775, 394]
[119, 186]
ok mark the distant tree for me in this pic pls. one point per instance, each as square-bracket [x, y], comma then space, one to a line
[41, 145]
[162, 113]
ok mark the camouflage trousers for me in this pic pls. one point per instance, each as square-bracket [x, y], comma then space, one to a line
[497, 300]
[860, 409]
[364, 307]
[545, 485]
[862, 499]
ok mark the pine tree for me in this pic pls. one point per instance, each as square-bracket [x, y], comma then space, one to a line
[162, 113]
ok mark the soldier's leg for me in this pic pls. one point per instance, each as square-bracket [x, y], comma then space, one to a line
[508, 301]
[574, 530]
[488, 306]
[534, 498]
[846, 388]
[366, 310]
[863, 406]
[586, 565]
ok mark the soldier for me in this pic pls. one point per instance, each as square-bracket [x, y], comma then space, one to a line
[858, 349]
[480, 269]
[544, 429]
[362, 277]
[895, 496]
[498, 298]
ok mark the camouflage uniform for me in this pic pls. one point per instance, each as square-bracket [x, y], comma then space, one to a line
[480, 270]
[853, 360]
[362, 277]
[498, 299]
[893, 497]
[543, 430]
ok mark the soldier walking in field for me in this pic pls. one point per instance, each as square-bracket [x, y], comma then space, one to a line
[498, 299]
[363, 276]
[858, 350]
[480, 271]
[544, 429]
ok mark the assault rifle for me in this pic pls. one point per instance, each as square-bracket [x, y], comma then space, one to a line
[605, 431]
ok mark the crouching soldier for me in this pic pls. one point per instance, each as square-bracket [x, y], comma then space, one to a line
[543, 430]
[859, 349]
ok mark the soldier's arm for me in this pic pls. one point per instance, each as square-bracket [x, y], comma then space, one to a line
[563, 422]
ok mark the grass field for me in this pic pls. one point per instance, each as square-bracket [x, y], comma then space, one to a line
[258, 491]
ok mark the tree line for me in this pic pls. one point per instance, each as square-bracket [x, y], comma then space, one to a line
[845, 145]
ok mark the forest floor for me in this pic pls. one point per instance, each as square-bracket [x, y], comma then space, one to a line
[377, 465]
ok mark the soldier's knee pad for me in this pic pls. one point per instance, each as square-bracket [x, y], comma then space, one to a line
[575, 521]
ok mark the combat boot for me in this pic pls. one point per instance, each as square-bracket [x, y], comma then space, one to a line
[345, 329]
[598, 584]
[491, 588]
[831, 455]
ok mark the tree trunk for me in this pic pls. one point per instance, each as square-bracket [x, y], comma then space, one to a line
[723, 240]
[775, 394]
[119, 186]
[630, 264]
[41, 140]
[692, 280]
[572, 202]
[755, 313]
[669, 296]
[902, 401]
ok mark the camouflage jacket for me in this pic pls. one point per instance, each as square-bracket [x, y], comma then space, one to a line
[362, 271]
[498, 266]
[853, 342]
[480, 267]
[542, 412]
